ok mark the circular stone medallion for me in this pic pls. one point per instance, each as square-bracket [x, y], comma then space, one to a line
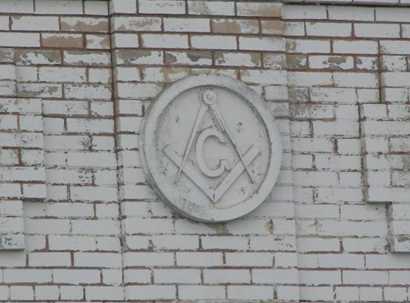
[210, 148]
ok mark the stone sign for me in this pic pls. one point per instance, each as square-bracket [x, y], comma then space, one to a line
[210, 148]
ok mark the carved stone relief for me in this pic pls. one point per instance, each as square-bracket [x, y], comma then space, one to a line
[210, 148]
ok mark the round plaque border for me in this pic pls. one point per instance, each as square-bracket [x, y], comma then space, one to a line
[148, 152]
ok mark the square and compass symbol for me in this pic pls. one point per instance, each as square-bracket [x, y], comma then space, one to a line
[228, 169]
[210, 148]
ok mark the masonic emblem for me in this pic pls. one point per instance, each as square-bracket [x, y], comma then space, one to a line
[210, 148]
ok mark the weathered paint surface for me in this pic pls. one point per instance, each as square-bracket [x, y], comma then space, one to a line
[76, 81]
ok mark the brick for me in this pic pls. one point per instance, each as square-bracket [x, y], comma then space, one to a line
[95, 227]
[148, 259]
[395, 47]
[186, 24]
[357, 46]
[99, 75]
[189, 276]
[17, 7]
[90, 159]
[84, 24]
[73, 210]
[234, 26]
[249, 259]
[331, 62]
[250, 292]
[355, 80]
[346, 13]
[294, 28]
[7, 55]
[140, 90]
[395, 79]
[320, 277]
[97, 260]
[371, 277]
[22, 140]
[222, 276]
[405, 30]
[148, 226]
[347, 293]
[89, 91]
[162, 6]
[303, 12]
[377, 30]
[233, 243]
[123, 6]
[259, 9]
[266, 243]
[39, 90]
[322, 211]
[46, 57]
[131, 57]
[50, 259]
[104, 292]
[150, 292]
[237, 59]
[201, 7]
[175, 242]
[274, 27]
[4, 23]
[398, 262]
[21, 293]
[164, 41]
[60, 7]
[395, 293]
[188, 58]
[392, 14]
[308, 46]
[47, 292]
[125, 40]
[96, 8]
[76, 276]
[208, 259]
[275, 93]
[312, 293]
[137, 276]
[86, 58]
[4, 292]
[363, 229]
[97, 41]
[329, 29]
[399, 277]
[309, 78]
[66, 107]
[20, 39]
[62, 40]
[136, 24]
[315, 244]
[199, 292]
[37, 23]
[262, 44]
[213, 42]
[27, 276]
[61, 74]
[394, 63]
[367, 63]
[71, 292]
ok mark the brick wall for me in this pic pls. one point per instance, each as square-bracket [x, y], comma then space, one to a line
[76, 79]
[348, 93]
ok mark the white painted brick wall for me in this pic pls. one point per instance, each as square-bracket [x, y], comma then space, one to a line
[335, 77]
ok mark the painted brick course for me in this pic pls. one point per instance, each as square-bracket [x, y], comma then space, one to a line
[76, 79]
